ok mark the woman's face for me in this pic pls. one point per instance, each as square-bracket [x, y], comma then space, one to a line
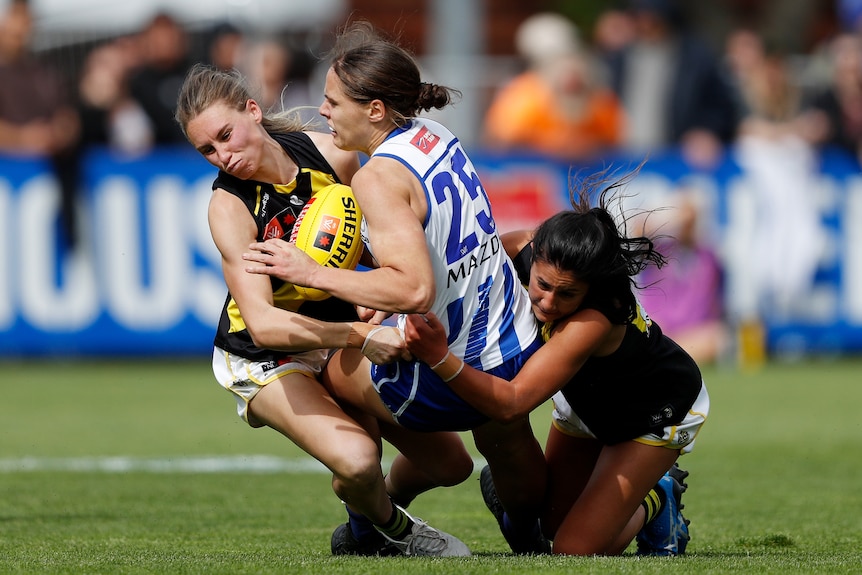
[554, 293]
[346, 118]
[230, 139]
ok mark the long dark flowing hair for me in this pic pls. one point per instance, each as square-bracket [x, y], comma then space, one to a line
[591, 244]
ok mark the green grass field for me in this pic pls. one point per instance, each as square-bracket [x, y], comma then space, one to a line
[143, 467]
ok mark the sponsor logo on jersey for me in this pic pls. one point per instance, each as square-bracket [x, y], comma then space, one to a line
[424, 141]
[478, 259]
[264, 202]
[665, 414]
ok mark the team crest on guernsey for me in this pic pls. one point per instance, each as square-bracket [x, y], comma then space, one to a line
[279, 226]
[424, 141]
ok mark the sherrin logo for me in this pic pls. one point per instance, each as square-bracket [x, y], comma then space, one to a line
[348, 235]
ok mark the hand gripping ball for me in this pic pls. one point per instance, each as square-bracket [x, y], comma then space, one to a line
[327, 229]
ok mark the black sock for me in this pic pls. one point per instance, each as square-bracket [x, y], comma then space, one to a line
[399, 524]
[653, 503]
[360, 525]
[522, 527]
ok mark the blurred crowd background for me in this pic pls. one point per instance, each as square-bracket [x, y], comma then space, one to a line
[598, 70]
[770, 82]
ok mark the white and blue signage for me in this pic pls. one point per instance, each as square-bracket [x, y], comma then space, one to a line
[145, 278]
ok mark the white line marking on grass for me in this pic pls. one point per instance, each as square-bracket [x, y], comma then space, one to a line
[196, 464]
[180, 464]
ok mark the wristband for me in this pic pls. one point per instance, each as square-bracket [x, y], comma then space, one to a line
[439, 363]
[368, 337]
[457, 371]
[449, 367]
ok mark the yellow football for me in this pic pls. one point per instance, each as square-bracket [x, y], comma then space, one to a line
[327, 229]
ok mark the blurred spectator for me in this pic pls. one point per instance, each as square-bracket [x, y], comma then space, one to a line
[777, 258]
[768, 99]
[686, 296]
[836, 111]
[743, 61]
[268, 64]
[672, 87]
[613, 31]
[793, 25]
[36, 116]
[156, 83]
[556, 107]
[225, 46]
[109, 115]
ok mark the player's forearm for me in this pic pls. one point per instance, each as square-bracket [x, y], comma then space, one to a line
[299, 333]
[383, 289]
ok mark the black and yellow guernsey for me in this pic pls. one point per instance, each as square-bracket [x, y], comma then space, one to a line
[647, 384]
[275, 209]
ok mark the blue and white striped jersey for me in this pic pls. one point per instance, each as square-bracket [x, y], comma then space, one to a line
[479, 297]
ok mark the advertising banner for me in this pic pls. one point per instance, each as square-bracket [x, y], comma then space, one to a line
[144, 277]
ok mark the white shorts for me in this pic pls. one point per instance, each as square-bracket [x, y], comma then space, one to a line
[244, 378]
[680, 436]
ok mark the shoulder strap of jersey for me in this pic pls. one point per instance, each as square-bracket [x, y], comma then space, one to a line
[303, 151]
[522, 261]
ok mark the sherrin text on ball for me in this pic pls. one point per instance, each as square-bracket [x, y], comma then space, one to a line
[327, 229]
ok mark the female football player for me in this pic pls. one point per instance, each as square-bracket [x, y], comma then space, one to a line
[436, 248]
[628, 400]
[271, 346]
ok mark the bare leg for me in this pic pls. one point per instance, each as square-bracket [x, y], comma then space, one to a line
[301, 409]
[348, 378]
[517, 466]
[426, 460]
[607, 514]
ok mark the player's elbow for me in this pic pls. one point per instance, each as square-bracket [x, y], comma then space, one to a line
[418, 299]
[259, 337]
[509, 415]
[509, 408]
[264, 337]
